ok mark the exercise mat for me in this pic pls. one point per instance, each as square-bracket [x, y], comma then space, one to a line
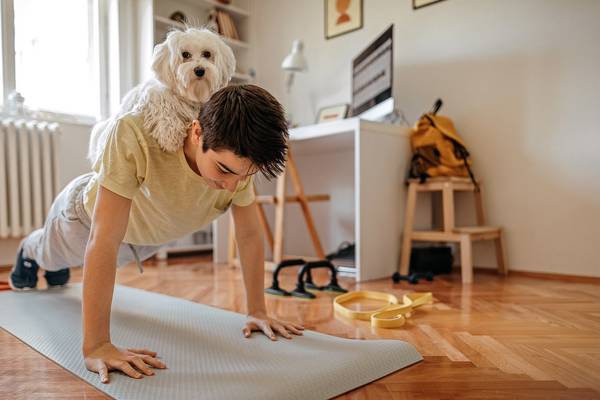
[204, 349]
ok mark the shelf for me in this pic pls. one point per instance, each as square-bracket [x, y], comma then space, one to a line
[190, 248]
[232, 9]
[169, 22]
[235, 43]
[346, 271]
[175, 24]
[242, 77]
[226, 7]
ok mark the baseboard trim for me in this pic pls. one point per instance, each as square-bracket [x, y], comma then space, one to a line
[558, 277]
[541, 275]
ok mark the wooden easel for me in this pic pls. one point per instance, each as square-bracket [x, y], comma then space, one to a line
[279, 200]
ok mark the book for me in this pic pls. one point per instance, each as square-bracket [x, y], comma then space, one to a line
[226, 25]
[221, 22]
[232, 28]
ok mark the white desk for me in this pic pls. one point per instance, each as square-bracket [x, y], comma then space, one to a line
[362, 165]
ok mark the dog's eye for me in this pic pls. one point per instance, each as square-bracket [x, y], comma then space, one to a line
[186, 54]
[206, 54]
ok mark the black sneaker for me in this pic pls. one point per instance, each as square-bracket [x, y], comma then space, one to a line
[24, 273]
[57, 278]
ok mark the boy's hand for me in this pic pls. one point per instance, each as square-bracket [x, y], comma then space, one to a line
[260, 321]
[107, 357]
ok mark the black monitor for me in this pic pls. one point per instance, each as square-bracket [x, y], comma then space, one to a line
[372, 73]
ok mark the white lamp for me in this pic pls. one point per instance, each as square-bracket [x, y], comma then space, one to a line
[294, 62]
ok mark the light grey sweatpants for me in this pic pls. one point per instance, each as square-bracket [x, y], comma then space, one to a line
[61, 242]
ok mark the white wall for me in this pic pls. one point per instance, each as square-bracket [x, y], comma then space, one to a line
[73, 147]
[521, 81]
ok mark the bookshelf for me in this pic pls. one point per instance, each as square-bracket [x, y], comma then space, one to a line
[154, 23]
[237, 8]
[169, 23]
[197, 14]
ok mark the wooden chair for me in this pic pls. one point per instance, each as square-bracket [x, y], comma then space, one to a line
[279, 200]
[464, 235]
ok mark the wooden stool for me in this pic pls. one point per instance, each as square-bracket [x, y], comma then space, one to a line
[279, 200]
[465, 235]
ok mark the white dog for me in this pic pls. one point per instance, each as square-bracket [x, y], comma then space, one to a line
[189, 66]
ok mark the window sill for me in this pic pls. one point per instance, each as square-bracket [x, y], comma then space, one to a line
[71, 119]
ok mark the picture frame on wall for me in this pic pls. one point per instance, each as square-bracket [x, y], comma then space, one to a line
[423, 3]
[332, 113]
[342, 16]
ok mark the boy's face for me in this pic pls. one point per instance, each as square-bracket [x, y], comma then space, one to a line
[221, 169]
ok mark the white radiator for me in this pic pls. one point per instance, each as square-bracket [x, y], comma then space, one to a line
[28, 174]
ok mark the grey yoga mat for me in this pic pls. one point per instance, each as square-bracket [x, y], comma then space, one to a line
[203, 347]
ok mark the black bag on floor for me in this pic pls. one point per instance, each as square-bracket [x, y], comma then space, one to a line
[437, 260]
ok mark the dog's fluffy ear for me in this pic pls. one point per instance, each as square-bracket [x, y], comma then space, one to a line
[161, 59]
[225, 63]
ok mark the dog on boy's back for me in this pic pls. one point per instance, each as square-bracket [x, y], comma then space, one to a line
[189, 66]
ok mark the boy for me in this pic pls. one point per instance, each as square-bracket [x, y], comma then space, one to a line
[140, 197]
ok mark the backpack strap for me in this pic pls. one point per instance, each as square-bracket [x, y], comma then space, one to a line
[463, 153]
[436, 107]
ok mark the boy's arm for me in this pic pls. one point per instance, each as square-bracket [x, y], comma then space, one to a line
[250, 243]
[109, 224]
[248, 234]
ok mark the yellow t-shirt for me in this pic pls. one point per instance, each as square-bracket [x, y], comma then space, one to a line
[169, 200]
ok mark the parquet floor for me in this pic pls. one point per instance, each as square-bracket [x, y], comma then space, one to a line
[513, 338]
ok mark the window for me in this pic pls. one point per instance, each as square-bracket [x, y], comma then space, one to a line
[56, 54]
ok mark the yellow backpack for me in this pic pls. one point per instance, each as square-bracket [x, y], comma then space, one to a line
[437, 148]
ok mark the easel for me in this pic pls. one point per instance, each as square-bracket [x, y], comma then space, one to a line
[280, 198]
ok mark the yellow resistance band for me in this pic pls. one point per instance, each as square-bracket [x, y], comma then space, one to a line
[392, 315]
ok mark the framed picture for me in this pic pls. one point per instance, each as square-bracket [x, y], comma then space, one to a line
[342, 16]
[333, 113]
[423, 3]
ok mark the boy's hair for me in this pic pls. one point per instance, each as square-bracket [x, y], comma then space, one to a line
[248, 121]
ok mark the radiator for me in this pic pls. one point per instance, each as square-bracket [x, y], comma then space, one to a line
[28, 174]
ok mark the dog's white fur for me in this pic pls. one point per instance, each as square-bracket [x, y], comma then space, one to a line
[171, 100]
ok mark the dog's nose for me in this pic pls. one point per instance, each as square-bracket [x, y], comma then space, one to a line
[199, 72]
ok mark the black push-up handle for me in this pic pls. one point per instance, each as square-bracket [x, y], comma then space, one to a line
[305, 279]
[275, 289]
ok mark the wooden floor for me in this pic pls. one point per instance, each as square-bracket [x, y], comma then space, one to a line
[512, 338]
